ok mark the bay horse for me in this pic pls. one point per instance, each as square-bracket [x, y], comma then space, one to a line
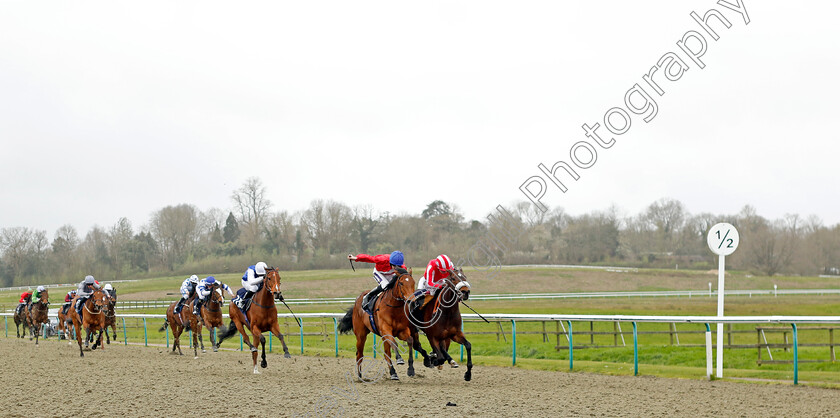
[111, 317]
[185, 321]
[440, 319]
[260, 317]
[62, 319]
[37, 311]
[91, 320]
[390, 321]
[21, 318]
[211, 313]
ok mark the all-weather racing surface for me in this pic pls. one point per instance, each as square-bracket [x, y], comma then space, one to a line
[52, 380]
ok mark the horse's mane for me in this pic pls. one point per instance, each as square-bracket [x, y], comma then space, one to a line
[400, 271]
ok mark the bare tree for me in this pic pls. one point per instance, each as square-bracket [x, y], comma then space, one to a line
[252, 204]
[175, 229]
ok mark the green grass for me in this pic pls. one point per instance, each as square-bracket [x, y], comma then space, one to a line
[657, 354]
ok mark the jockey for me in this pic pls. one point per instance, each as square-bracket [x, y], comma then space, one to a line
[439, 268]
[202, 291]
[37, 295]
[85, 290]
[25, 298]
[187, 290]
[251, 281]
[109, 290]
[68, 298]
[383, 272]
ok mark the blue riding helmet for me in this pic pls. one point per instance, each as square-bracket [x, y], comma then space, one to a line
[210, 280]
[397, 258]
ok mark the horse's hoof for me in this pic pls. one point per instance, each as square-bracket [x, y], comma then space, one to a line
[410, 372]
[395, 377]
[263, 364]
[468, 376]
[203, 350]
[215, 350]
[440, 367]
[453, 364]
[400, 362]
[256, 371]
[287, 355]
[427, 363]
[81, 354]
[195, 358]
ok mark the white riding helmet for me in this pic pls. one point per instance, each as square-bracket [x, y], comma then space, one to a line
[260, 268]
[193, 279]
[89, 280]
[108, 286]
[40, 288]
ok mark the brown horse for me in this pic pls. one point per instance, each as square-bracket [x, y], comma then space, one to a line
[185, 321]
[38, 315]
[62, 318]
[21, 318]
[211, 312]
[390, 320]
[92, 319]
[440, 319]
[111, 317]
[261, 317]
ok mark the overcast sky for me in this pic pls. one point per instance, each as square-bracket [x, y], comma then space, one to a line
[112, 109]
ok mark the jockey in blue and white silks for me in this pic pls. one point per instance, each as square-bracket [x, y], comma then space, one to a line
[203, 291]
[85, 290]
[187, 290]
[251, 281]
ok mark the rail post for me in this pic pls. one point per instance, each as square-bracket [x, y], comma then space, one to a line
[571, 348]
[795, 356]
[709, 352]
[635, 350]
[301, 337]
[191, 344]
[6, 324]
[374, 345]
[513, 325]
[167, 336]
[269, 341]
[335, 335]
[240, 342]
[462, 346]
[145, 333]
[125, 336]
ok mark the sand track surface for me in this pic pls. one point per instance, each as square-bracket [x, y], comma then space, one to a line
[147, 381]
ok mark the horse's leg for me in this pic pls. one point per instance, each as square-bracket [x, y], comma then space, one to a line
[257, 338]
[114, 329]
[460, 339]
[275, 329]
[415, 336]
[108, 337]
[452, 362]
[361, 338]
[77, 327]
[213, 338]
[444, 349]
[408, 339]
[263, 363]
[389, 341]
[176, 334]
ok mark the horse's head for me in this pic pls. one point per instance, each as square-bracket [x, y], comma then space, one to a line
[99, 299]
[403, 285]
[272, 282]
[45, 297]
[459, 280]
[216, 293]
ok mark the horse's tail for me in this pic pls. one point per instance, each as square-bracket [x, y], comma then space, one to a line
[165, 325]
[227, 333]
[346, 323]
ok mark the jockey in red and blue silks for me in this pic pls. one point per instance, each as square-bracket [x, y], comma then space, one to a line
[383, 272]
[251, 280]
[25, 298]
[68, 298]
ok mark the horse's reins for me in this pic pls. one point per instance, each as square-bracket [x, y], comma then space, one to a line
[461, 300]
[392, 289]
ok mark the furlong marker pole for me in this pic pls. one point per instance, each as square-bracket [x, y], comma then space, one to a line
[721, 265]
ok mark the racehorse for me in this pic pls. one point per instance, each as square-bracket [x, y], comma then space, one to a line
[21, 318]
[390, 320]
[440, 319]
[111, 317]
[62, 319]
[211, 312]
[259, 318]
[184, 321]
[91, 320]
[38, 315]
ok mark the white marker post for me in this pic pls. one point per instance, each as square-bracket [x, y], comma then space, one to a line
[723, 239]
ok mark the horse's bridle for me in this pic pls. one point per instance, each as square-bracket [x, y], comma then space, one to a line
[398, 282]
[215, 302]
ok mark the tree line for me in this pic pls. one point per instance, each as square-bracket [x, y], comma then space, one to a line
[183, 239]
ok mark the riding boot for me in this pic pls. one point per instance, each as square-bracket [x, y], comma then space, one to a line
[247, 296]
[196, 307]
[370, 297]
[179, 305]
